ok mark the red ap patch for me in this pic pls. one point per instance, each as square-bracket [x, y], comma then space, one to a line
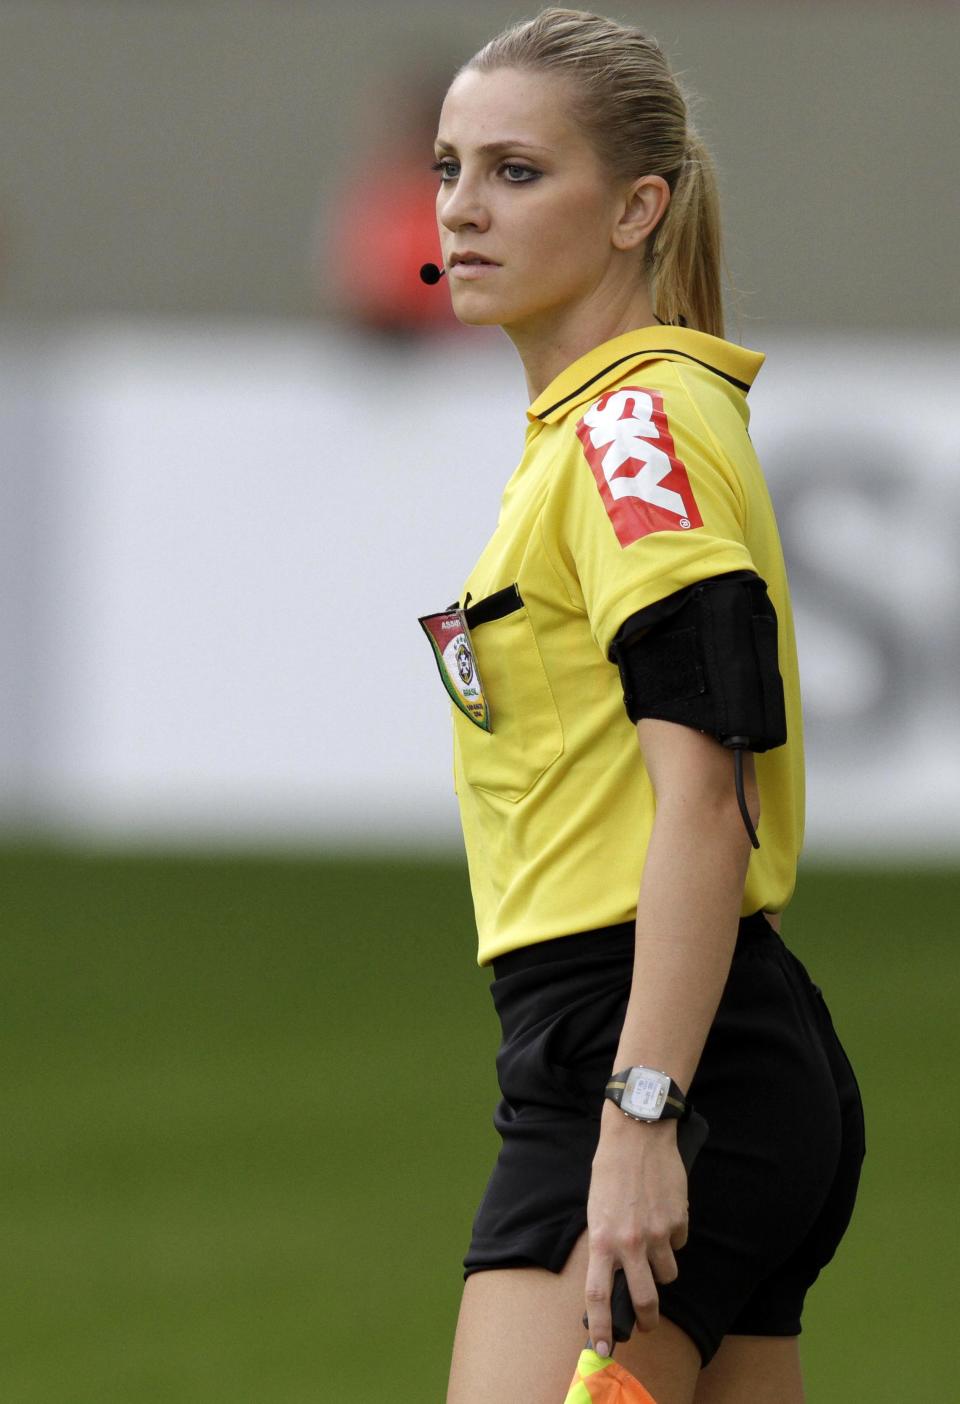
[630, 449]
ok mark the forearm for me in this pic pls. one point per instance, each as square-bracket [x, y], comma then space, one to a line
[687, 916]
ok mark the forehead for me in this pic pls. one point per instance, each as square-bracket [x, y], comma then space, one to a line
[508, 105]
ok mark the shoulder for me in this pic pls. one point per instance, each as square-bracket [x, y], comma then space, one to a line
[661, 402]
[639, 412]
[655, 418]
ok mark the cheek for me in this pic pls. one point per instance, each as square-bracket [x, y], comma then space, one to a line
[562, 244]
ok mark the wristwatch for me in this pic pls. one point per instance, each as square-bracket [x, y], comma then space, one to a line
[647, 1094]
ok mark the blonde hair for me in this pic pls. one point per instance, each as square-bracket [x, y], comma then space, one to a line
[630, 106]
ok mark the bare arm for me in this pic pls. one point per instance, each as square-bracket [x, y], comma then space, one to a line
[687, 916]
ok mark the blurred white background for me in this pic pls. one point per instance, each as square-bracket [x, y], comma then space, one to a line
[226, 496]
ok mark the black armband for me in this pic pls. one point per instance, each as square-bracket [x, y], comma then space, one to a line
[706, 657]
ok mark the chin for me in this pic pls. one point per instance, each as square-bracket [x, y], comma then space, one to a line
[486, 312]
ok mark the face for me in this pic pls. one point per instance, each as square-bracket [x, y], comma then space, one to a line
[522, 187]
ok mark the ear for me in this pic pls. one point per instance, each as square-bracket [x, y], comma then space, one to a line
[644, 206]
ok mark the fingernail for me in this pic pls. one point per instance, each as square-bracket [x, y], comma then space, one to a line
[602, 1348]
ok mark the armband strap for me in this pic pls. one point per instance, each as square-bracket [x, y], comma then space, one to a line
[706, 657]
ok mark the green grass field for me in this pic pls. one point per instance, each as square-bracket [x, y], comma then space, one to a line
[246, 1121]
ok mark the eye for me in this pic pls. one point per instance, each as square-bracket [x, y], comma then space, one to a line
[441, 168]
[526, 173]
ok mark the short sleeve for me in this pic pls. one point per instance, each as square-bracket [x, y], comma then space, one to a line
[644, 503]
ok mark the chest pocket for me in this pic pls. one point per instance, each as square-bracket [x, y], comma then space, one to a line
[526, 736]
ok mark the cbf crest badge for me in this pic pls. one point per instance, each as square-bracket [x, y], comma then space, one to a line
[452, 648]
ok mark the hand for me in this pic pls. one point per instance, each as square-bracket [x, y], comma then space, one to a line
[636, 1218]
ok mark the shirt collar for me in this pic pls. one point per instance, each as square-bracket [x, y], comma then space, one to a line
[590, 375]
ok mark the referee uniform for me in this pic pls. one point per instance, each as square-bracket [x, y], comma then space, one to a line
[638, 478]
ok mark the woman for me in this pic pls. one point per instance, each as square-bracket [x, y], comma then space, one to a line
[628, 923]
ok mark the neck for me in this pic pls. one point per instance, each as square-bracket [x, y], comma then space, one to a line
[555, 341]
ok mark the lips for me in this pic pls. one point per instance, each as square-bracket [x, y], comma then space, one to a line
[472, 259]
[470, 266]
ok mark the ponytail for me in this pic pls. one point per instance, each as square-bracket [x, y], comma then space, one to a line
[632, 109]
[687, 248]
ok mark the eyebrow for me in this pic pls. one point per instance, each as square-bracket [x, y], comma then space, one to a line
[493, 148]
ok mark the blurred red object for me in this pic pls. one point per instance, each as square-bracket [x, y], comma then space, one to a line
[380, 224]
[380, 235]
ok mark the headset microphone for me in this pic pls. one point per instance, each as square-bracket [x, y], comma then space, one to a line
[431, 274]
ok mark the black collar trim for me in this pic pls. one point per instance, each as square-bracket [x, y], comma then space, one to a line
[648, 351]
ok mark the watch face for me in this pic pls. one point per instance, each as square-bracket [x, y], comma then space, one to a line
[645, 1093]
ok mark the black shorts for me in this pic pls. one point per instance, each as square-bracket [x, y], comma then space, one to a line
[773, 1188]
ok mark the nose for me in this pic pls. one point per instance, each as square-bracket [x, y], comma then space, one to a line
[460, 205]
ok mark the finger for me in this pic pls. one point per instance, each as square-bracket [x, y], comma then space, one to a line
[643, 1294]
[663, 1264]
[663, 1245]
[597, 1296]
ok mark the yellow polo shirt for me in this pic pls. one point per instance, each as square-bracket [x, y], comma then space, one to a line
[638, 477]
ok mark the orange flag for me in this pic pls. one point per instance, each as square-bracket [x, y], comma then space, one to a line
[600, 1380]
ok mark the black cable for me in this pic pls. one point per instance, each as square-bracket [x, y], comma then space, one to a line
[741, 797]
